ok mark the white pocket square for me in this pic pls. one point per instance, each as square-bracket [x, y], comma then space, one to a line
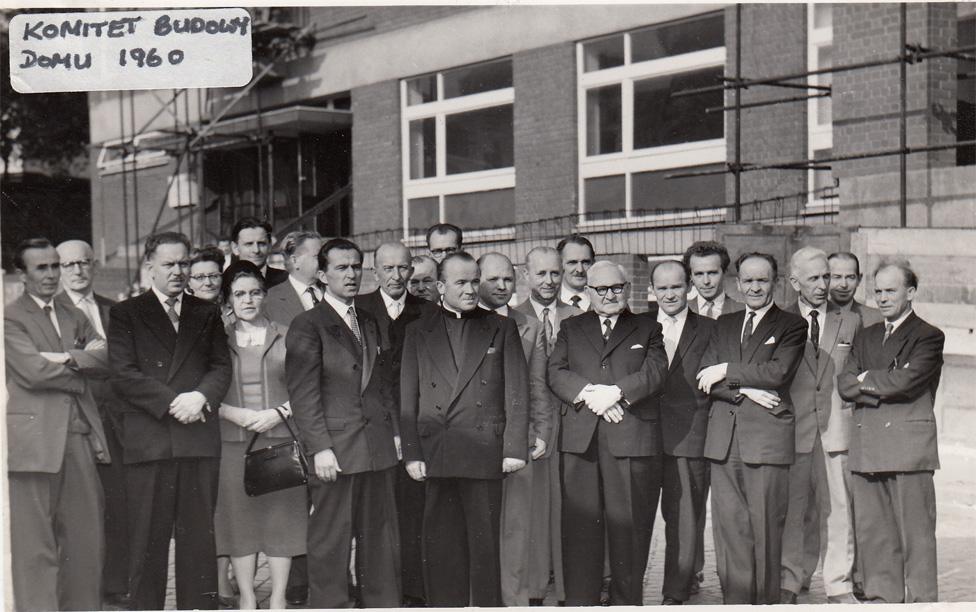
[637, 346]
[772, 340]
[491, 350]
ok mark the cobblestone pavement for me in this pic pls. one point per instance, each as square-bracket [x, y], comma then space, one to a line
[956, 532]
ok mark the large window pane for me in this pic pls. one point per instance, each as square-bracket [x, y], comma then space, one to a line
[705, 32]
[825, 59]
[422, 89]
[605, 197]
[603, 131]
[423, 212]
[654, 191]
[480, 209]
[423, 161]
[823, 15]
[660, 119]
[603, 53]
[478, 78]
[480, 140]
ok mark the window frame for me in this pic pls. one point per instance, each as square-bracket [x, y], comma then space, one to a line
[819, 136]
[629, 161]
[442, 184]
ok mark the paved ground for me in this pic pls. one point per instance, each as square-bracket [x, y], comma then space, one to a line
[956, 495]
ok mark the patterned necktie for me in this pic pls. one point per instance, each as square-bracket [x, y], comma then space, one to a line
[575, 300]
[90, 308]
[670, 342]
[889, 329]
[606, 330]
[815, 332]
[311, 293]
[354, 325]
[747, 330]
[49, 311]
[710, 309]
[171, 312]
[547, 322]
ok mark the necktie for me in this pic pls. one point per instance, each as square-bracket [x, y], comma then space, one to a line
[171, 312]
[90, 308]
[606, 330]
[670, 342]
[889, 329]
[547, 322]
[747, 330]
[49, 311]
[311, 293]
[354, 325]
[394, 310]
[710, 309]
[815, 332]
[575, 300]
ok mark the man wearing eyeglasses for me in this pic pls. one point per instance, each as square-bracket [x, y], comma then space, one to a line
[604, 363]
[443, 239]
[77, 278]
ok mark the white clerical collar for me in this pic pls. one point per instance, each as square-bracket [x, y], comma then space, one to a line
[897, 322]
[341, 308]
[679, 318]
[457, 313]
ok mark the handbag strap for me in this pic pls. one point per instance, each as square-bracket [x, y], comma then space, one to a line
[284, 419]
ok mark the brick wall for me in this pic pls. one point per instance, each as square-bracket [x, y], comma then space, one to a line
[545, 132]
[773, 43]
[377, 175]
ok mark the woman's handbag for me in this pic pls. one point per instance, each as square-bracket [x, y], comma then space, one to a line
[277, 467]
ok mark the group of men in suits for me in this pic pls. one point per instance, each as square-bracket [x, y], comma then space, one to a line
[466, 451]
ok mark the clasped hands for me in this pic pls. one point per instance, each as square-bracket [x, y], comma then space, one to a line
[188, 407]
[603, 401]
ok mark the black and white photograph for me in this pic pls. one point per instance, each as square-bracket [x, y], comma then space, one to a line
[511, 304]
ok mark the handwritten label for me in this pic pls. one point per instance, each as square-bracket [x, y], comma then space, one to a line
[52, 52]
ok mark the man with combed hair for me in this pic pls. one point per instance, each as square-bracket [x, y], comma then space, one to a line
[423, 278]
[607, 367]
[818, 489]
[78, 267]
[845, 277]
[892, 376]
[54, 439]
[442, 240]
[577, 256]
[251, 241]
[684, 421]
[709, 262]
[464, 404]
[748, 369]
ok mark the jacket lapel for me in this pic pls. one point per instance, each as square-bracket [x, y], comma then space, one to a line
[191, 324]
[898, 339]
[439, 346]
[626, 324]
[828, 340]
[337, 327]
[688, 335]
[760, 332]
[370, 344]
[156, 320]
[592, 330]
[480, 335]
[50, 335]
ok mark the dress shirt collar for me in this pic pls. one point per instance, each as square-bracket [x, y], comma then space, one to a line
[612, 319]
[679, 318]
[502, 310]
[337, 305]
[389, 301]
[301, 288]
[718, 304]
[760, 313]
[162, 297]
[897, 322]
[538, 308]
[806, 309]
[78, 298]
[41, 303]
[566, 296]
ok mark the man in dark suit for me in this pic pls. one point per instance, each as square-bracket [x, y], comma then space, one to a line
[819, 499]
[543, 273]
[464, 402]
[285, 301]
[747, 369]
[251, 241]
[577, 256]
[684, 418]
[171, 369]
[54, 438]
[892, 376]
[607, 366]
[393, 308]
[709, 262]
[845, 277]
[496, 289]
[423, 278]
[346, 416]
[77, 275]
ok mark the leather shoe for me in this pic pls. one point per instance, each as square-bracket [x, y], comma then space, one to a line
[297, 595]
[117, 601]
[226, 603]
[846, 598]
[787, 596]
[670, 601]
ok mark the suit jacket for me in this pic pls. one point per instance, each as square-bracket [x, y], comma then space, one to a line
[684, 408]
[769, 361]
[728, 307]
[283, 304]
[894, 423]
[462, 421]
[541, 410]
[40, 392]
[868, 316]
[818, 405]
[153, 364]
[633, 359]
[339, 399]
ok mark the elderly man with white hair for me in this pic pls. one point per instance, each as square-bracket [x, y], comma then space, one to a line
[607, 367]
[819, 499]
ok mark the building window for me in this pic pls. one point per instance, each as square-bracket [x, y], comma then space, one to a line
[820, 140]
[633, 130]
[458, 147]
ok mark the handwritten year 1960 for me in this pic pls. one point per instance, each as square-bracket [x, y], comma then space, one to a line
[150, 58]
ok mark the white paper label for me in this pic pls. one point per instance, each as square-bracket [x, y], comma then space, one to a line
[97, 51]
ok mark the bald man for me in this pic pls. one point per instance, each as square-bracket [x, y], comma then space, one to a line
[394, 307]
[78, 268]
[607, 366]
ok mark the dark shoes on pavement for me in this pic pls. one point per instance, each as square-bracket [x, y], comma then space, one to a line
[787, 597]
[297, 595]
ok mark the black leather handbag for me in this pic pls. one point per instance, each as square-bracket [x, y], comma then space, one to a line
[277, 467]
